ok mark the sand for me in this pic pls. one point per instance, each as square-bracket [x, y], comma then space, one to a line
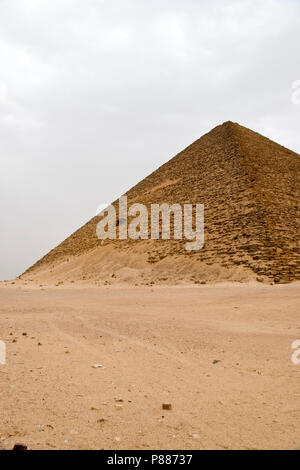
[220, 354]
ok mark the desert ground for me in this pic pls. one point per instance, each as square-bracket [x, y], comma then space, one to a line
[90, 367]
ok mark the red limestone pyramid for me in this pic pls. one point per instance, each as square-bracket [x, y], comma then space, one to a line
[249, 186]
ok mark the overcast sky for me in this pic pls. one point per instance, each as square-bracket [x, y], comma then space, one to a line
[96, 94]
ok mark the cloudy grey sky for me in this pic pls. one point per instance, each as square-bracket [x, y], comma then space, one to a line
[96, 94]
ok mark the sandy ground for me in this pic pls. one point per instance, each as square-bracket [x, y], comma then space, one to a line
[155, 345]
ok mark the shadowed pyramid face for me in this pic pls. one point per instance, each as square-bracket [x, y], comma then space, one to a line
[249, 186]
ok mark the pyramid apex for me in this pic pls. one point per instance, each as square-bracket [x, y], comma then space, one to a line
[227, 125]
[230, 123]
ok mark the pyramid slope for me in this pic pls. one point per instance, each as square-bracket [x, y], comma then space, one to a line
[250, 188]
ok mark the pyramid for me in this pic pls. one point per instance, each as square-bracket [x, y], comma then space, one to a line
[249, 186]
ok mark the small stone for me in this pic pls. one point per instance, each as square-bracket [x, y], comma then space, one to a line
[119, 407]
[166, 406]
[215, 361]
[97, 366]
[19, 446]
